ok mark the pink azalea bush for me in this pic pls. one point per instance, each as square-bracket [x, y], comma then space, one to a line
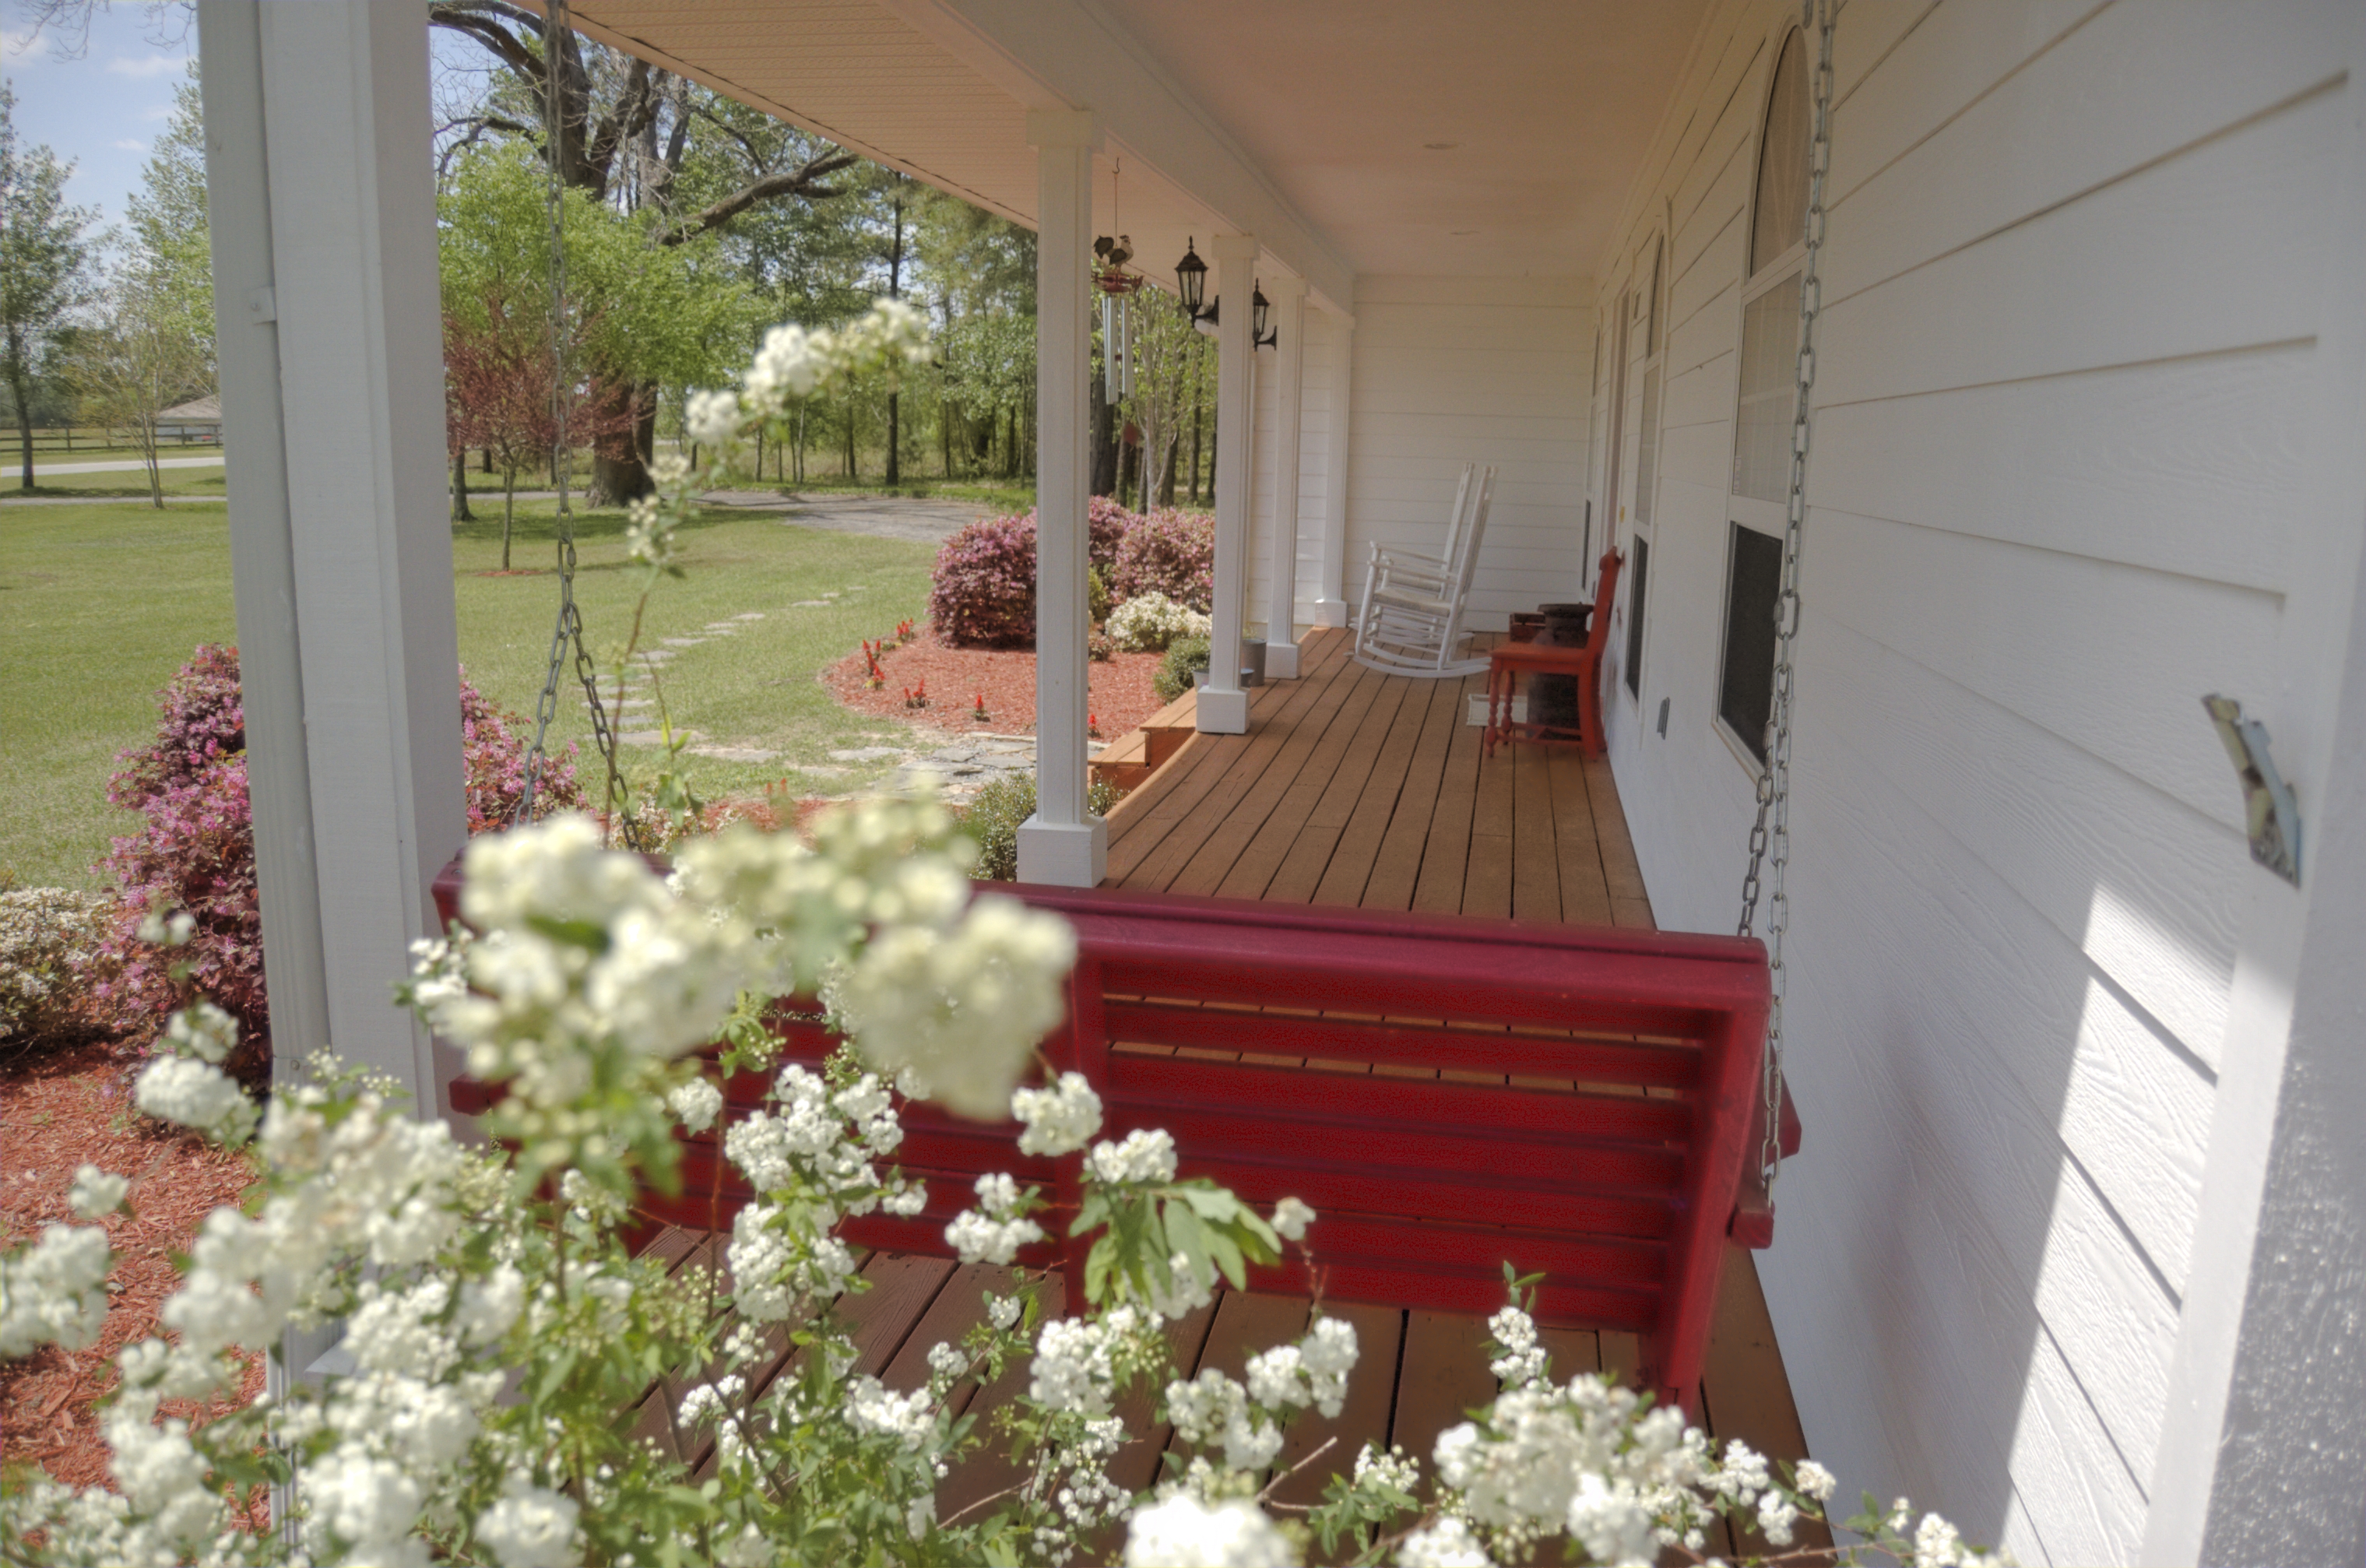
[194, 851]
[1171, 552]
[983, 591]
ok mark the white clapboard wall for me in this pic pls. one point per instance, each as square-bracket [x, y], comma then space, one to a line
[1455, 370]
[2060, 489]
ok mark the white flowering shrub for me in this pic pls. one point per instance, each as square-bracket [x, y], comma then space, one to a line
[498, 1326]
[1148, 622]
[48, 936]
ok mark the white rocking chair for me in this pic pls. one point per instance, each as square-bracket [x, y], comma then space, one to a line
[1412, 618]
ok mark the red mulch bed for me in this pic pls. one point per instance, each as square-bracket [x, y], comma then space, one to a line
[955, 677]
[59, 1109]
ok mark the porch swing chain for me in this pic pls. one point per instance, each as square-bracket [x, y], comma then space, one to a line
[567, 630]
[1770, 835]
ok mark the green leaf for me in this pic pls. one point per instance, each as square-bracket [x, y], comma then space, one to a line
[1097, 1268]
[1227, 1254]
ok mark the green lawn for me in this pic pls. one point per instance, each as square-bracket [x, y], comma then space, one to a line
[127, 483]
[99, 605]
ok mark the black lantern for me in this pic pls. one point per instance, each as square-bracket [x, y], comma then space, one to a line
[1259, 338]
[1191, 279]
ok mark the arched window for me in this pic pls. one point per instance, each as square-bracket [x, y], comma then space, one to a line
[1768, 402]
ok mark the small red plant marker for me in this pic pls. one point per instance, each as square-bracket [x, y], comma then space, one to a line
[979, 711]
[917, 696]
[876, 679]
[1093, 726]
[903, 633]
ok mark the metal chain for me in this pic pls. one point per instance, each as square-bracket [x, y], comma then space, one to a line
[1770, 835]
[566, 629]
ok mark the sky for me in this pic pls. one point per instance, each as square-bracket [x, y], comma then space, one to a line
[99, 112]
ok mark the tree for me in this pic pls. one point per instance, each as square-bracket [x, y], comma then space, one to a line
[640, 313]
[498, 371]
[1167, 352]
[637, 139]
[44, 266]
[139, 359]
[168, 231]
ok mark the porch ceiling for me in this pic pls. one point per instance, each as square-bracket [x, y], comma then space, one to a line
[1301, 121]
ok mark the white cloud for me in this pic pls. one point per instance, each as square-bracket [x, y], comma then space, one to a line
[17, 46]
[162, 111]
[142, 66]
[131, 144]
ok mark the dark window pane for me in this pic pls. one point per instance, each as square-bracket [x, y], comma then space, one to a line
[1635, 617]
[1753, 580]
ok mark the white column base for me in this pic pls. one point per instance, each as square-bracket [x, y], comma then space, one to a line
[1064, 854]
[1224, 713]
[1331, 614]
[1281, 661]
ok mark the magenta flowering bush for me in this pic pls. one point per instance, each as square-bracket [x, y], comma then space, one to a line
[982, 593]
[194, 851]
[983, 589]
[1171, 552]
[1107, 524]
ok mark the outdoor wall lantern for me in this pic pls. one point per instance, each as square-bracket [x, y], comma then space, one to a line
[1191, 281]
[1260, 336]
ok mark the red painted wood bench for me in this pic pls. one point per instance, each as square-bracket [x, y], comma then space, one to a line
[1448, 1092]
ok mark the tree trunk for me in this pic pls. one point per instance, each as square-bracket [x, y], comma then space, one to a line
[24, 429]
[894, 440]
[1211, 463]
[1167, 480]
[485, 465]
[1195, 449]
[620, 471]
[850, 472]
[461, 512]
[509, 510]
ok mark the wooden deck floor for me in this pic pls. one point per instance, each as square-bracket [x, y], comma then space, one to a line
[1354, 788]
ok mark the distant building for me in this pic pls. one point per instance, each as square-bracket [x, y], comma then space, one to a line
[197, 422]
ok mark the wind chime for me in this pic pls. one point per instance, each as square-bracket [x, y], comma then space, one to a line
[1121, 342]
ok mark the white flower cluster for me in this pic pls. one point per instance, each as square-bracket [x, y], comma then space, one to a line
[1581, 1459]
[1523, 1362]
[55, 1289]
[794, 363]
[1149, 621]
[1448, 1543]
[96, 1193]
[995, 1230]
[811, 1162]
[1212, 1409]
[697, 1102]
[1184, 1532]
[1144, 1158]
[1059, 1120]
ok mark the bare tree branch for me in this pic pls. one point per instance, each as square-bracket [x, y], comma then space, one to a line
[805, 181]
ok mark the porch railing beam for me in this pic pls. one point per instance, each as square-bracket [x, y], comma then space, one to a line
[1223, 707]
[1062, 843]
[1289, 296]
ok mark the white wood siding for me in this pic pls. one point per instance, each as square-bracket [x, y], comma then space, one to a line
[1313, 472]
[2061, 487]
[1455, 370]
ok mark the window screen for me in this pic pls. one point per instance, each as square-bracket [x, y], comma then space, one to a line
[1770, 393]
[1746, 689]
[1780, 221]
[1642, 568]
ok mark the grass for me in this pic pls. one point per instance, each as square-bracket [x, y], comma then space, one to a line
[128, 484]
[99, 605]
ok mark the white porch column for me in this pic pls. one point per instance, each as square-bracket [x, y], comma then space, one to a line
[1288, 300]
[1223, 707]
[1331, 602]
[1062, 844]
[324, 206]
